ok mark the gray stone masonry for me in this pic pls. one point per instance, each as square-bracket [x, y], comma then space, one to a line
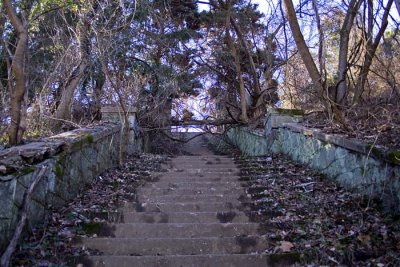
[74, 159]
[114, 114]
[351, 163]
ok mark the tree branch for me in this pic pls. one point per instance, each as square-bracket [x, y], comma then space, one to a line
[37, 176]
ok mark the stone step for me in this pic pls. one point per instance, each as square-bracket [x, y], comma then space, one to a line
[211, 166]
[194, 184]
[233, 260]
[201, 173]
[210, 163]
[188, 198]
[177, 246]
[201, 176]
[182, 207]
[198, 179]
[202, 158]
[185, 217]
[204, 164]
[189, 191]
[196, 171]
[176, 230]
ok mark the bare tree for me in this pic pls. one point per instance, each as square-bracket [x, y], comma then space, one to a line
[63, 111]
[18, 89]
[243, 116]
[397, 6]
[302, 46]
[342, 85]
[372, 44]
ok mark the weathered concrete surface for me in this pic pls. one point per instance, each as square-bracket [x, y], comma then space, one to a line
[249, 142]
[184, 218]
[220, 260]
[178, 246]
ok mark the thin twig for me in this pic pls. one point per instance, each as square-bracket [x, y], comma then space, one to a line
[5, 258]
[66, 121]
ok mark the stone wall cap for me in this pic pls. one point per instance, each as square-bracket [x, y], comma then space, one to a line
[285, 112]
[344, 142]
[17, 158]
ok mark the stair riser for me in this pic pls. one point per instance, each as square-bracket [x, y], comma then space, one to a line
[204, 175]
[188, 198]
[184, 207]
[187, 261]
[145, 247]
[197, 179]
[185, 217]
[167, 230]
[194, 185]
[180, 192]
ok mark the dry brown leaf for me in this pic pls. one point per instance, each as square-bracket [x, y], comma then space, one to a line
[364, 239]
[286, 246]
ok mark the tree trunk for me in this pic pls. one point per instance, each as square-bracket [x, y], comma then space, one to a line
[243, 117]
[310, 64]
[97, 90]
[17, 92]
[242, 90]
[63, 111]
[370, 54]
[302, 46]
[253, 70]
[342, 88]
[397, 6]
[2, 87]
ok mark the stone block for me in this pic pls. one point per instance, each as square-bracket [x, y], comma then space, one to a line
[275, 118]
[7, 191]
[347, 161]
[75, 158]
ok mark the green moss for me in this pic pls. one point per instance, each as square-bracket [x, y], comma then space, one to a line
[375, 151]
[91, 228]
[59, 171]
[394, 156]
[292, 112]
[100, 229]
[89, 139]
[26, 170]
[284, 259]
[62, 158]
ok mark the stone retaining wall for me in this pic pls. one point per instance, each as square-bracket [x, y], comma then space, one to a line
[250, 143]
[351, 163]
[74, 160]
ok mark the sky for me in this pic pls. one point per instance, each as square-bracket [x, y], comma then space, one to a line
[262, 5]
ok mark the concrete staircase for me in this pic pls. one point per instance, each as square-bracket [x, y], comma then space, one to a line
[190, 217]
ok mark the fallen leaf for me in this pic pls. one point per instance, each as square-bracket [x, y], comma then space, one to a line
[364, 239]
[286, 246]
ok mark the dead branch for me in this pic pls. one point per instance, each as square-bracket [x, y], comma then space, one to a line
[184, 140]
[37, 176]
[62, 120]
[203, 122]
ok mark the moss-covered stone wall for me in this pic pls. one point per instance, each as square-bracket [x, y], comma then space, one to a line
[74, 160]
[351, 163]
